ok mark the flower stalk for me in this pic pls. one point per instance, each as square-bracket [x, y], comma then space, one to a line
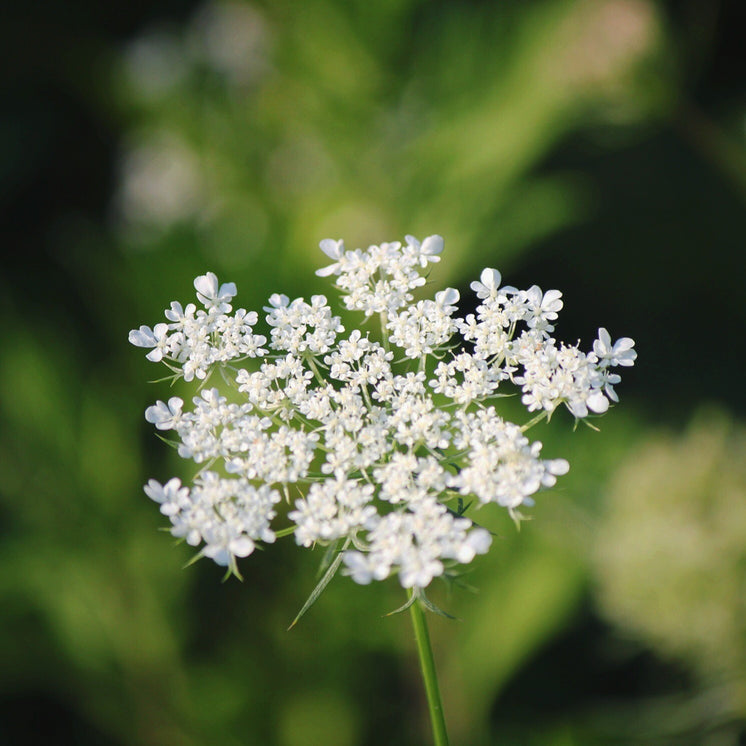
[429, 675]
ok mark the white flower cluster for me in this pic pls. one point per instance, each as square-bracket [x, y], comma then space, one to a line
[386, 440]
[229, 515]
[195, 340]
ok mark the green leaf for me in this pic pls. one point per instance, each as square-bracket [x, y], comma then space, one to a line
[430, 606]
[328, 559]
[404, 607]
[319, 589]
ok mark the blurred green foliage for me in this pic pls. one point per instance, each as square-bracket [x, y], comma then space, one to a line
[670, 555]
[246, 132]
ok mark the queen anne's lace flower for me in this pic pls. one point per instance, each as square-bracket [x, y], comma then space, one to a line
[386, 439]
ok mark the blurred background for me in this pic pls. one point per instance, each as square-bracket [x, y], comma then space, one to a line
[595, 146]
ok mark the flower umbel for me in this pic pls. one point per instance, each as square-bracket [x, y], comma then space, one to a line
[385, 439]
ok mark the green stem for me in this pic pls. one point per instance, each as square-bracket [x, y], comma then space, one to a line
[543, 415]
[429, 676]
[383, 316]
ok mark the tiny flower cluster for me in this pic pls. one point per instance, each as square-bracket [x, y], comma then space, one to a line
[196, 340]
[386, 440]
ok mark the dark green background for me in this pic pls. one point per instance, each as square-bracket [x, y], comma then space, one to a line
[599, 148]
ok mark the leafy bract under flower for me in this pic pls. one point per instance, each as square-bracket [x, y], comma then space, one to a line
[386, 437]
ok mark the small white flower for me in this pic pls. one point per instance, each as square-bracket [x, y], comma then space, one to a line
[277, 300]
[489, 282]
[447, 299]
[334, 250]
[622, 352]
[165, 416]
[180, 316]
[157, 337]
[212, 295]
[171, 496]
[541, 308]
[428, 251]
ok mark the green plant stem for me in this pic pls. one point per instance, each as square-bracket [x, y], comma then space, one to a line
[429, 676]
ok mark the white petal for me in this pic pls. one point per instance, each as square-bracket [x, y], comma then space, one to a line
[333, 249]
[490, 278]
[326, 271]
[154, 490]
[558, 466]
[357, 567]
[623, 344]
[207, 285]
[447, 297]
[278, 300]
[432, 245]
[598, 403]
[480, 539]
[227, 289]
[142, 337]
[242, 547]
[551, 301]
[218, 554]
